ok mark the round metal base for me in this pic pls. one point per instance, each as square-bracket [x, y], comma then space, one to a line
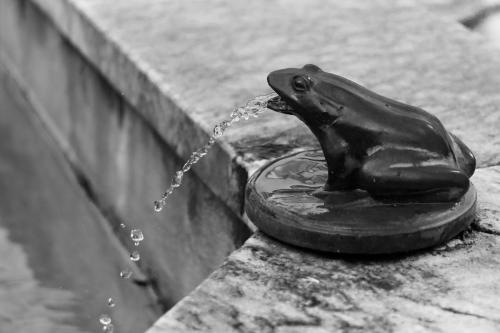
[285, 200]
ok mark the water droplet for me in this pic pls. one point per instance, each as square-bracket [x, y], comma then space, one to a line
[105, 319]
[204, 150]
[108, 328]
[111, 302]
[178, 178]
[136, 235]
[235, 114]
[166, 194]
[126, 274]
[240, 113]
[158, 206]
[122, 225]
[255, 111]
[218, 131]
[195, 157]
[135, 256]
[225, 124]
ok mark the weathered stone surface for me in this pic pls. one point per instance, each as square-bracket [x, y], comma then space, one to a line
[488, 179]
[457, 10]
[177, 64]
[267, 286]
[60, 259]
[121, 162]
[489, 25]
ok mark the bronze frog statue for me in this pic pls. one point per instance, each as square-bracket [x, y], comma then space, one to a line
[373, 143]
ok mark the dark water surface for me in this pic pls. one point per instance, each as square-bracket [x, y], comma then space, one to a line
[59, 262]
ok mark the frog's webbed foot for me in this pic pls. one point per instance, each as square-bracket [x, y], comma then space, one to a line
[408, 178]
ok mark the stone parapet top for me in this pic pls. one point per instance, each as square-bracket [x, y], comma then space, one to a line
[183, 65]
[267, 286]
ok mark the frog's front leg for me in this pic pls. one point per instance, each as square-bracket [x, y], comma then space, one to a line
[340, 163]
[394, 173]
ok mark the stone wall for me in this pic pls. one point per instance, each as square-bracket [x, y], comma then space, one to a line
[120, 160]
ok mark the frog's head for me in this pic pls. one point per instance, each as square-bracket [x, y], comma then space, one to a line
[316, 97]
[294, 87]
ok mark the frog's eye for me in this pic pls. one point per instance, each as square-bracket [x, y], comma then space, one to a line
[300, 83]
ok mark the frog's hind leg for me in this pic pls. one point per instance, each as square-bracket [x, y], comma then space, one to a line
[465, 158]
[402, 175]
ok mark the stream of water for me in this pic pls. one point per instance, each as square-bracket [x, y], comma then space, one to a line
[250, 110]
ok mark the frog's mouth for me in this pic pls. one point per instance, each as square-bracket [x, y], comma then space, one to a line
[278, 104]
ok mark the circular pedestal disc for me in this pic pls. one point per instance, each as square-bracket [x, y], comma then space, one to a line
[285, 200]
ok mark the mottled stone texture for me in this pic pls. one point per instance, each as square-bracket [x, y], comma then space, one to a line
[267, 286]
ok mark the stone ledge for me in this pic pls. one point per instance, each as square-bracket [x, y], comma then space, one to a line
[266, 286]
[183, 72]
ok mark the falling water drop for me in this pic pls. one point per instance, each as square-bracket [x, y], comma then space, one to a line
[168, 192]
[195, 157]
[135, 256]
[218, 131]
[136, 235]
[225, 124]
[126, 274]
[178, 179]
[203, 151]
[111, 302]
[108, 328]
[105, 319]
[158, 206]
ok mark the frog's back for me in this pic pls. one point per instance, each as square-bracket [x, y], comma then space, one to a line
[389, 121]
